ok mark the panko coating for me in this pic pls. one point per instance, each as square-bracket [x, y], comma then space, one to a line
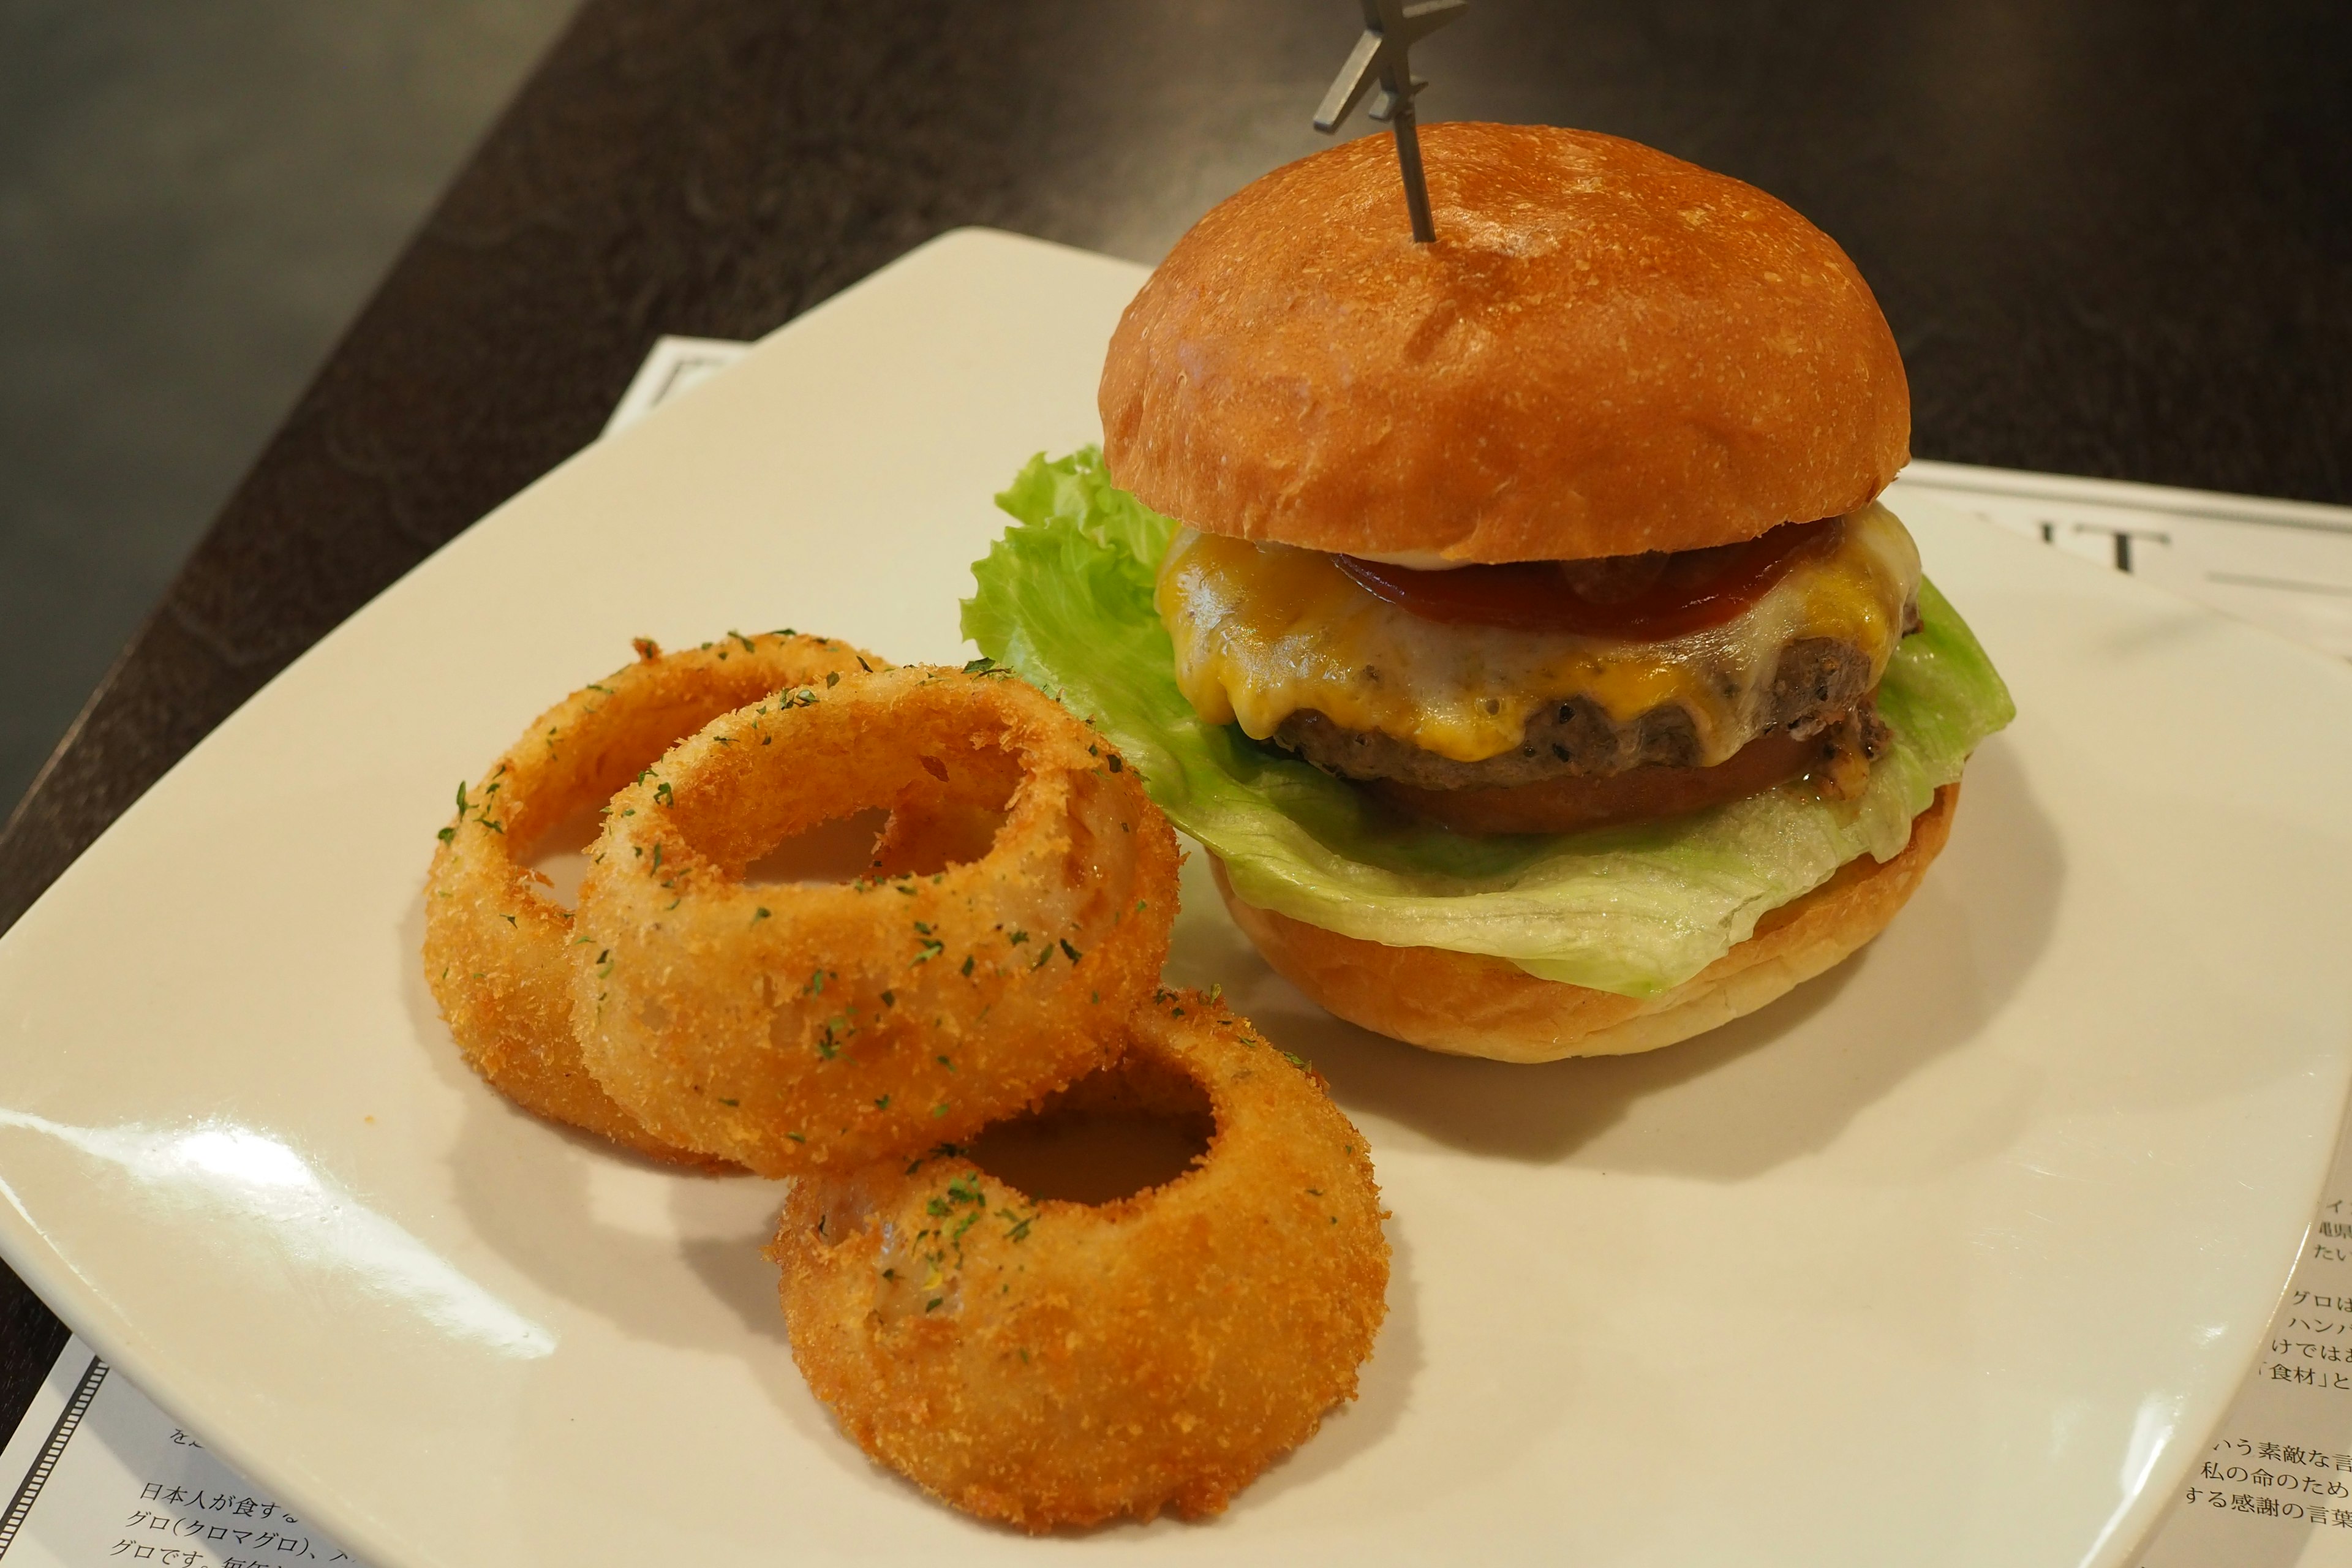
[789, 1027]
[496, 942]
[1050, 1364]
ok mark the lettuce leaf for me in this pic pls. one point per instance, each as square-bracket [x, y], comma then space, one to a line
[1065, 600]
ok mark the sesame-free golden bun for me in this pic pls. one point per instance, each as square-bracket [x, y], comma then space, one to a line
[1606, 350]
[1473, 1005]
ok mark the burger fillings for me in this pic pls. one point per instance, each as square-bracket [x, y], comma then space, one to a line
[1298, 649]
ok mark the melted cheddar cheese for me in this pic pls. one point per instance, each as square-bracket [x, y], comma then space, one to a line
[1263, 631]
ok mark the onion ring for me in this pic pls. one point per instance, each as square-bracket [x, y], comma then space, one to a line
[785, 1028]
[1052, 1364]
[495, 945]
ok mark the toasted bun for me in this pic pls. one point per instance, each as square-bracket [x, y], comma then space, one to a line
[1471, 1006]
[1607, 350]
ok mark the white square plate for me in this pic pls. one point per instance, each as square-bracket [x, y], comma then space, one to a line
[1953, 1256]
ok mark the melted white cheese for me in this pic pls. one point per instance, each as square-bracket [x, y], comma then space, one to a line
[1263, 631]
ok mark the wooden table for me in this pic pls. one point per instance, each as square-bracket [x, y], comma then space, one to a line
[2112, 239]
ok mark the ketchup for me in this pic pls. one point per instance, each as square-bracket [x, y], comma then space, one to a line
[1688, 590]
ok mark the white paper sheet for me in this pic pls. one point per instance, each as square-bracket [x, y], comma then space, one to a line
[2284, 565]
[2275, 1484]
[97, 1475]
[676, 366]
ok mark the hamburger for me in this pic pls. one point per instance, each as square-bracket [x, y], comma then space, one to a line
[1515, 619]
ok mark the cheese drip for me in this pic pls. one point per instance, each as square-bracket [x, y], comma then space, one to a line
[1263, 631]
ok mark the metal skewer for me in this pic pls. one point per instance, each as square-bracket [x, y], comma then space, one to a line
[1390, 28]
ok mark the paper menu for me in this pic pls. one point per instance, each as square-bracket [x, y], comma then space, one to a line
[2286, 565]
[2274, 1486]
[674, 367]
[97, 1474]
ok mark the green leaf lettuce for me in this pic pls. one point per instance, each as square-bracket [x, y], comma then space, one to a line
[1064, 599]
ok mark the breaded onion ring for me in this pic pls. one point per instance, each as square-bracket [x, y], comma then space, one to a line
[1052, 1363]
[495, 945]
[790, 1026]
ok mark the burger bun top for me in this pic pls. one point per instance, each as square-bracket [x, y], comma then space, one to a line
[1606, 350]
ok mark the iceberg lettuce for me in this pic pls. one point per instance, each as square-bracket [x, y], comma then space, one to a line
[1065, 600]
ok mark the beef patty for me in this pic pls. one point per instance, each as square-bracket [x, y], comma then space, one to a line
[1819, 682]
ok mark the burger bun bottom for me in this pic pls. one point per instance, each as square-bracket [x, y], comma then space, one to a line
[1475, 1005]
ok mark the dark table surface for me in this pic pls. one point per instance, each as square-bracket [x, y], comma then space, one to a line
[2112, 239]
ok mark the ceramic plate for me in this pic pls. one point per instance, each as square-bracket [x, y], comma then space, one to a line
[1950, 1257]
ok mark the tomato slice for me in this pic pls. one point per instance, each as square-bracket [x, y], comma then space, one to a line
[1653, 598]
